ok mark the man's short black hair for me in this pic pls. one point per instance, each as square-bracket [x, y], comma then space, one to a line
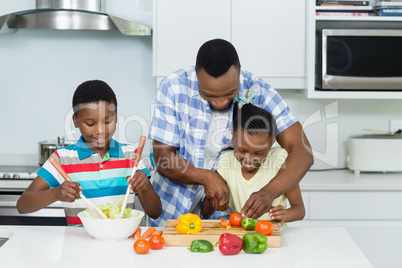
[216, 57]
[253, 120]
[93, 91]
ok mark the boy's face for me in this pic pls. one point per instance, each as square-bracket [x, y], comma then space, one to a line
[97, 124]
[251, 150]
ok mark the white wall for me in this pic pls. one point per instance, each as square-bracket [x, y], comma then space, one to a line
[40, 70]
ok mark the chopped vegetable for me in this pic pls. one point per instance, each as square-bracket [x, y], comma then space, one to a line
[148, 232]
[225, 223]
[255, 243]
[189, 224]
[112, 210]
[230, 244]
[201, 246]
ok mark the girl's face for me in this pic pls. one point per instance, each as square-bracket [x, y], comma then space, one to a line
[251, 149]
[97, 124]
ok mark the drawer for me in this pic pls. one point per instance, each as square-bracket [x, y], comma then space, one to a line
[344, 205]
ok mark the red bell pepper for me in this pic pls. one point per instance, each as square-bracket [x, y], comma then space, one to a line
[230, 244]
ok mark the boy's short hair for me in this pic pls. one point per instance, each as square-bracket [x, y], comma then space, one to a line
[216, 57]
[93, 91]
[253, 120]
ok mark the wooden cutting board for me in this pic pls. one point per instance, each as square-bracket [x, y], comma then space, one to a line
[211, 231]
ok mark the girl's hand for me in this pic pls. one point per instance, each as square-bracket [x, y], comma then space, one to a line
[68, 191]
[139, 182]
[278, 214]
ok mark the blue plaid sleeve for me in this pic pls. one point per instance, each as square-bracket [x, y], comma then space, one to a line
[164, 125]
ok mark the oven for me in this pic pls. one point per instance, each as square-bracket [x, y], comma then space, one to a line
[13, 182]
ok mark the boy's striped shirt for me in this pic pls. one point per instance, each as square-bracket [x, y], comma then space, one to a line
[102, 180]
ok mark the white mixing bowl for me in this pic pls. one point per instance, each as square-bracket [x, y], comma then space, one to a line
[111, 229]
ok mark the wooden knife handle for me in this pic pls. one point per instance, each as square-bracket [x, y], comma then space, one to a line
[139, 150]
[59, 169]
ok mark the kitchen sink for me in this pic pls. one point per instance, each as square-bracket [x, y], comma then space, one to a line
[4, 236]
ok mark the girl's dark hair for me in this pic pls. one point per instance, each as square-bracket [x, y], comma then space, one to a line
[216, 57]
[93, 91]
[253, 120]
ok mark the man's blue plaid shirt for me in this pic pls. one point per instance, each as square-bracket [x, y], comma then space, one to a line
[182, 119]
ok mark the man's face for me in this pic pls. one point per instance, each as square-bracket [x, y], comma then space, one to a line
[219, 92]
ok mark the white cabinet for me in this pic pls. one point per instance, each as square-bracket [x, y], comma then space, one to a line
[348, 208]
[353, 205]
[269, 38]
[181, 27]
[342, 198]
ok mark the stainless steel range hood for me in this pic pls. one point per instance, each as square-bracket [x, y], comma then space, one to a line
[69, 15]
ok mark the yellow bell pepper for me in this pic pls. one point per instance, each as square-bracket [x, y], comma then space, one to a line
[189, 224]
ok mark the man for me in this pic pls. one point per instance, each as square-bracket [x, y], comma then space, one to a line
[192, 123]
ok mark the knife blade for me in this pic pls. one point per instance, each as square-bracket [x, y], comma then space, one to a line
[229, 209]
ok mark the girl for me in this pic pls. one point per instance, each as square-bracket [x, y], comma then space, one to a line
[253, 163]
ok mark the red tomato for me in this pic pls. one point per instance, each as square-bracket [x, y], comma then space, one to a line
[142, 246]
[157, 242]
[264, 227]
[235, 219]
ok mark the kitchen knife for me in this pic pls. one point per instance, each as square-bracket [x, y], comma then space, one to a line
[229, 209]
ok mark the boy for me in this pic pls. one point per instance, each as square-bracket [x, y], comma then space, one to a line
[253, 163]
[98, 165]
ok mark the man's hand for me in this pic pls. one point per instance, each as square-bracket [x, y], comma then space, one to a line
[258, 204]
[216, 190]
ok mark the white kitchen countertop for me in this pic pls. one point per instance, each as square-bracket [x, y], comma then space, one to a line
[55, 246]
[346, 180]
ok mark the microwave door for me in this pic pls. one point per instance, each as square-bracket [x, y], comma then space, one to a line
[361, 59]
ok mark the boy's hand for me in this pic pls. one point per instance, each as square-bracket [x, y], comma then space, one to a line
[278, 214]
[139, 182]
[68, 191]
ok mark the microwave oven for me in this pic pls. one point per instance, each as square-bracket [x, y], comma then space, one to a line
[359, 59]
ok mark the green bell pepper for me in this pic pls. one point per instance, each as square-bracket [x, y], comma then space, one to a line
[201, 246]
[249, 223]
[255, 243]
